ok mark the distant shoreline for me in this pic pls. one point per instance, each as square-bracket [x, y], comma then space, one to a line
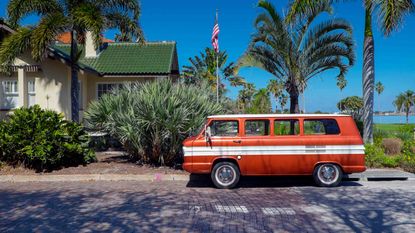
[393, 114]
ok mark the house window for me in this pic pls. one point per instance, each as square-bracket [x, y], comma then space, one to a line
[104, 88]
[10, 94]
[31, 91]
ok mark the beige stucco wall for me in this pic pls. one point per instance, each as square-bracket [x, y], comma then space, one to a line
[52, 85]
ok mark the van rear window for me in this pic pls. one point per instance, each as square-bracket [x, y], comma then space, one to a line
[321, 127]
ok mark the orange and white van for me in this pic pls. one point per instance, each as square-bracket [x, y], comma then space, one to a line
[325, 146]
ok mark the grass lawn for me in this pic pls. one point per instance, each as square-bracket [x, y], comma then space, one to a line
[392, 127]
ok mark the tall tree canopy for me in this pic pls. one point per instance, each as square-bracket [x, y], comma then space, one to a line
[390, 14]
[58, 16]
[203, 68]
[294, 52]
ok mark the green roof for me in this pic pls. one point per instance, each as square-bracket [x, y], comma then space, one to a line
[127, 58]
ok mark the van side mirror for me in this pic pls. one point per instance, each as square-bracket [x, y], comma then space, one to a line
[208, 134]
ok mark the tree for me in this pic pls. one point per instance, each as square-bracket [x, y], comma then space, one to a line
[404, 102]
[261, 103]
[58, 16]
[379, 89]
[277, 90]
[390, 14]
[203, 67]
[352, 105]
[298, 51]
[245, 96]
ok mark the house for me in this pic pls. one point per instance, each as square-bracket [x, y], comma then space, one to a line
[47, 83]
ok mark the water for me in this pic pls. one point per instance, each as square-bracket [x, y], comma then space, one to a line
[393, 119]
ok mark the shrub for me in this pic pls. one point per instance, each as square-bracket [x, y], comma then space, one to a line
[379, 135]
[408, 165]
[392, 146]
[374, 155]
[42, 140]
[151, 120]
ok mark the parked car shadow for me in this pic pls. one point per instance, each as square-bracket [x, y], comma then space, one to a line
[204, 181]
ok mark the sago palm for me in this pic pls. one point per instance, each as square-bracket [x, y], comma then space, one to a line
[296, 52]
[390, 14]
[404, 102]
[57, 16]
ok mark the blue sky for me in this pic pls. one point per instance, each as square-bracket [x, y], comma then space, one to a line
[190, 22]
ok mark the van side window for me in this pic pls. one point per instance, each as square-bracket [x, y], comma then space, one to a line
[321, 127]
[257, 127]
[224, 128]
[286, 127]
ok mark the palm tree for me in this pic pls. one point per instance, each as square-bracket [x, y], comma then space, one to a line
[57, 16]
[390, 14]
[296, 52]
[341, 84]
[261, 102]
[404, 102]
[245, 96]
[277, 90]
[352, 105]
[203, 67]
[379, 89]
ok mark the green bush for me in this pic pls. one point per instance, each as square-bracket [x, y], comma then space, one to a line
[151, 120]
[379, 135]
[375, 157]
[42, 140]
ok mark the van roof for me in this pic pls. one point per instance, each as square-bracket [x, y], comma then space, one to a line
[276, 115]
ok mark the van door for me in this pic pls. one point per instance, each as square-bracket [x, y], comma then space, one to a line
[224, 141]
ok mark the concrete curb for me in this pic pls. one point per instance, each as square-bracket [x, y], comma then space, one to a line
[92, 177]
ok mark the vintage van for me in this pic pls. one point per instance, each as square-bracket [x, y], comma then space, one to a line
[228, 146]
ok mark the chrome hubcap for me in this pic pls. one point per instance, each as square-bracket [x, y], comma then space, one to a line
[328, 174]
[225, 175]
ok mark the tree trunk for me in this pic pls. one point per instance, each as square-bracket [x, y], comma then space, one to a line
[407, 117]
[74, 78]
[294, 108]
[368, 79]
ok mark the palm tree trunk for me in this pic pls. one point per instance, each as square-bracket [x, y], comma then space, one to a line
[294, 108]
[407, 118]
[368, 79]
[74, 78]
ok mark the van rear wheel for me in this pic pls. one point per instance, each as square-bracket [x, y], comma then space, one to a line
[225, 175]
[327, 175]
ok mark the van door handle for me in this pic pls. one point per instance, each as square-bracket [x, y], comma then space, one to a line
[237, 141]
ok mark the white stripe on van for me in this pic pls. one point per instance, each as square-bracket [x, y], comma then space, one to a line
[272, 150]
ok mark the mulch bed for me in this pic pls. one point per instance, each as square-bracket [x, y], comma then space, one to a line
[111, 162]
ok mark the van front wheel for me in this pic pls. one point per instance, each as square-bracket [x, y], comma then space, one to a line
[225, 175]
[327, 175]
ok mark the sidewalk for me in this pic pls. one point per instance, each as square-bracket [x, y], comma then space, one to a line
[382, 174]
[369, 175]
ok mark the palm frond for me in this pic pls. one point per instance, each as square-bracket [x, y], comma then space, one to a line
[13, 46]
[45, 33]
[392, 13]
[17, 9]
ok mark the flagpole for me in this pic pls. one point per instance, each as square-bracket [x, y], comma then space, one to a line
[217, 68]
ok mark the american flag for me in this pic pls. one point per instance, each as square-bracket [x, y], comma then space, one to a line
[215, 35]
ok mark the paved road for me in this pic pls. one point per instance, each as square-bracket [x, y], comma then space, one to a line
[258, 206]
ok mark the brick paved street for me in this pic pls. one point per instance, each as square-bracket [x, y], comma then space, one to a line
[258, 206]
